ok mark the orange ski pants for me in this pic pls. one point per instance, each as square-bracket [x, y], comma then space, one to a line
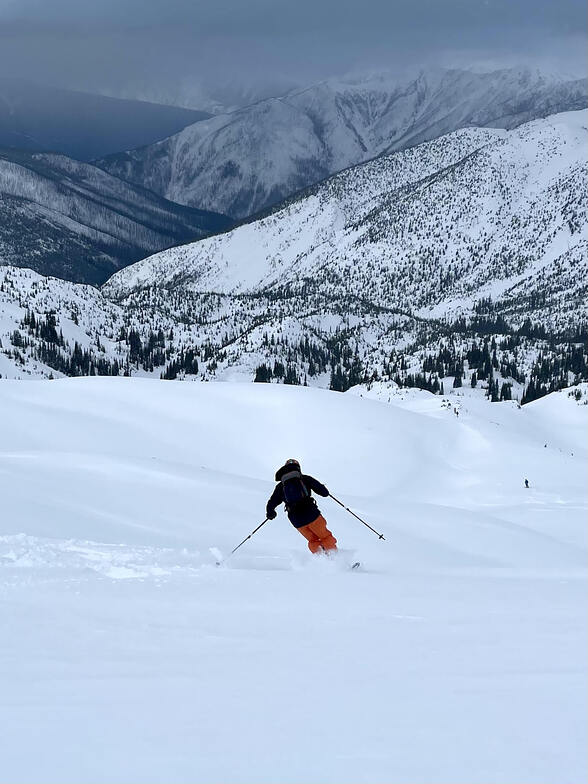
[318, 535]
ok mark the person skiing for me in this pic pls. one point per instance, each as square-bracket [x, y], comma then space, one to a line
[294, 490]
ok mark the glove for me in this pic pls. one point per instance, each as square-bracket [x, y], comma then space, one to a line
[271, 514]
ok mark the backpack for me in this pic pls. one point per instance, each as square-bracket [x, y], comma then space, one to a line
[295, 491]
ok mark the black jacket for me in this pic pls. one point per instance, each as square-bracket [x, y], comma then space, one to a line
[306, 511]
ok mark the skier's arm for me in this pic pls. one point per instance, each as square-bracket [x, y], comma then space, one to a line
[315, 485]
[276, 499]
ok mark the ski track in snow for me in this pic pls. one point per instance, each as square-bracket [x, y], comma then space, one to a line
[456, 653]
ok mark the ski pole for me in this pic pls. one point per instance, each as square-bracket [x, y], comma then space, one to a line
[367, 525]
[250, 535]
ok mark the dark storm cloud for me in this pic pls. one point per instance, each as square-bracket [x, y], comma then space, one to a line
[114, 42]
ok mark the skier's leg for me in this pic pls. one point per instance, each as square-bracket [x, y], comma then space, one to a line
[313, 541]
[325, 538]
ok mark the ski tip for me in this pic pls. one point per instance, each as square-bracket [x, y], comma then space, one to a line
[356, 565]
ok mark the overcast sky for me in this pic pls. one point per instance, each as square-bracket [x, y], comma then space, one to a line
[120, 43]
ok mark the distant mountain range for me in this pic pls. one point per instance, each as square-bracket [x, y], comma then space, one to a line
[474, 214]
[73, 220]
[82, 222]
[242, 162]
[460, 260]
[82, 125]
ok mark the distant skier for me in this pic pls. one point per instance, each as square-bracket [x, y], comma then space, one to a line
[294, 490]
[526, 483]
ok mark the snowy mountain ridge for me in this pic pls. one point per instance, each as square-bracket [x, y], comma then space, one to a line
[463, 258]
[413, 231]
[244, 161]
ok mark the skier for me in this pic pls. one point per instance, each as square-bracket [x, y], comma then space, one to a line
[526, 483]
[294, 490]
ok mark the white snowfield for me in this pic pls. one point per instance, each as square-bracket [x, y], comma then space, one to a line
[456, 654]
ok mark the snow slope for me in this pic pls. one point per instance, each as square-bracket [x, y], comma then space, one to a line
[240, 162]
[458, 653]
